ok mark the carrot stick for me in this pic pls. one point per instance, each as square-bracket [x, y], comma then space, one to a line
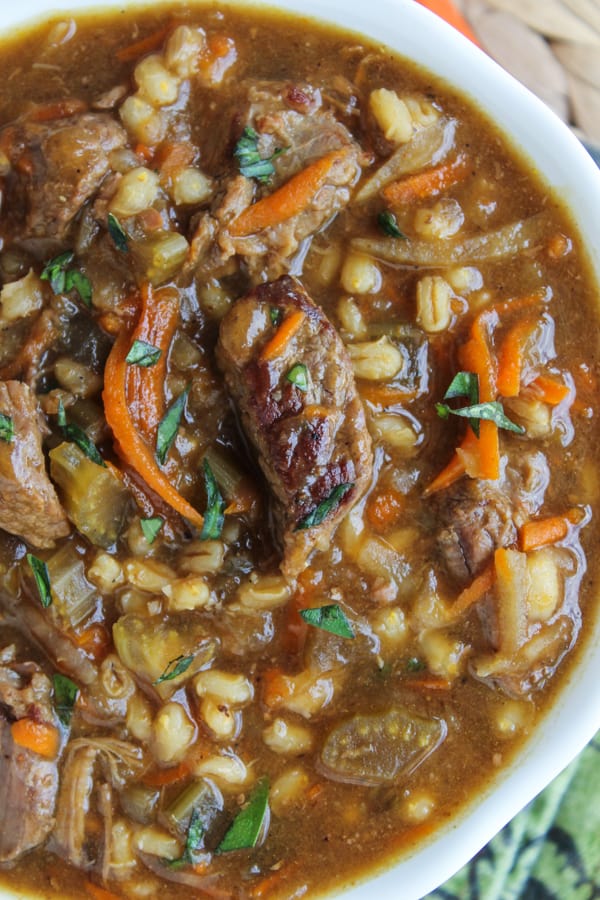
[161, 777]
[473, 593]
[173, 156]
[290, 199]
[510, 358]
[61, 109]
[549, 389]
[131, 445]
[39, 737]
[426, 184]
[100, 893]
[541, 532]
[284, 334]
[386, 396]
[481, 456]
[145, 45]
[448, 476]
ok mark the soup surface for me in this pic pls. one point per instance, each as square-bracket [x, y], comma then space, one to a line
[298, 380]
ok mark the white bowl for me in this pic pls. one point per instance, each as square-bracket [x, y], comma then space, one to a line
[551, 149]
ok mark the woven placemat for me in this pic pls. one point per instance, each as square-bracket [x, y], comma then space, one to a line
[552, 46]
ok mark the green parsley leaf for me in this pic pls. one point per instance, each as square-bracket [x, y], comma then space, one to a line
[63, 279]
[194, 842]
[322, 510]
[151, 527]
[143, 354]
[77, 435]
[7, 428]
[298, 375]
[65, 695]
[175, 668]
[465, 384]
[388, 223]
[77, 281]
[251, 164]
[414, 664]
[491, 411]
[42, 579]
[330, 618]
[246, 828]
[275, 316]
[117, 233]
[215, 505]
[169, 425]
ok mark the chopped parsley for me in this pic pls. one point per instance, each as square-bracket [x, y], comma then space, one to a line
[194, 842]
[7, 428]
[275, 316]
[247, 827]
[329, 618]
[169, 425]
[414, 664]
[77, 435]
[151, 527]
[389, 224]
[143, 354]
[64, 279]
[322, 510]
[298, 375]
[215, 506]
[117, 233]
[250, 162]
[42, 579]
[175, 668]
[65, 695]
[465, 384]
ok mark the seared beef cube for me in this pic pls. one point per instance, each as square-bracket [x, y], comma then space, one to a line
[300, 410]
[29, 506]
[28, 781]
[56, 167]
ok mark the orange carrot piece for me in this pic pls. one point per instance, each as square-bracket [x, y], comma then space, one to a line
[382, 395]
[131, 445]
[476, 356]
[42, 738]
[94, 640]
[145, 45]
[448, 476]
[61, 109]
[549, 389]
[510, 358]
[269, 883]
[290, 199]
[173, 156]
[161, 777]
[426, 184]
[541, 532]
[445, 9]
[518, 304]
[384, 509]
[473, 593]
[284, 334]
[220, 54]
[276, 687]
[100, 893]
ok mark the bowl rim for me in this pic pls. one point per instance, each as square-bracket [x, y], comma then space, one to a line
[558, 159]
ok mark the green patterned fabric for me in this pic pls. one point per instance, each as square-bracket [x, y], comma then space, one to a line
[550, 851]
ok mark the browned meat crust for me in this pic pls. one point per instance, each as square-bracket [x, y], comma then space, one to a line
[310, 443]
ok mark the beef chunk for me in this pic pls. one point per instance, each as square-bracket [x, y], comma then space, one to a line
[310, 442]
[56, 167]
[29, 506]
[289, 118]
[28, 782]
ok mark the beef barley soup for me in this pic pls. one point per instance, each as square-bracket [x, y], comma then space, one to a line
[298, 499]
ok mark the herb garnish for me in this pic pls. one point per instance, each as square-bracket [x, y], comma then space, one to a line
[151, 527]
[247, 826]
[330, 618]
[77, 435]
[414, 664]
[388, 223]
[143, 354]
[298, 375]
[42, 579]
[169, 425]
[491, 411]
[65, 695]
[7, 428]
[193, 842]
[215, 505]
[322, 510]
[275, 316]
[63, 279]
[175, 668]
[117, 233]
[465, 384]
[251, 164]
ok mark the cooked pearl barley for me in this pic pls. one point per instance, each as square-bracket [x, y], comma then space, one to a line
[351, 318]
[190, 185]
[265, 592]
[545, 588]
[440, 221]
[418, 806]
[434, 304]
[139, 602]
[105, 573]
[443, 653]
[172, 733]
[329, 264]
[375, 360]
[155, 82]
[139, 717]
[202, 557]
[308, 692]
[290, 787]
[390, 625]
[421, 111]
[122, 852]
[352, 531]
[150, 575]
[512, 718]
[189, 593]
[395, 430]
[465, 279]
[21, 298]
[288, 738]
[142, 120]
[115, 679]
[228, 687]
[137, 190]
[158, 842]
[183, 50]
[228, 771]
[360, 274]
[534, 415]
[392, 115]
[224, 722]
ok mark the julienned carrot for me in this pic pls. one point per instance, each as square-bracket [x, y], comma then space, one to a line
[382, 395]
[541, 532]
[161, 777]
[42, 738]
[100, 893]
[145, 45]
[159, 315]
[448, 476]
[549, 389]
[426, 184]
[445, 9]
[511, 358]
[61, 109]
[130, 443]
[284, 334]
[290, 199]
[473, 593]
[481, 455]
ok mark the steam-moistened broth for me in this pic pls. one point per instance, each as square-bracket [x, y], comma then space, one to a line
[298, 379]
